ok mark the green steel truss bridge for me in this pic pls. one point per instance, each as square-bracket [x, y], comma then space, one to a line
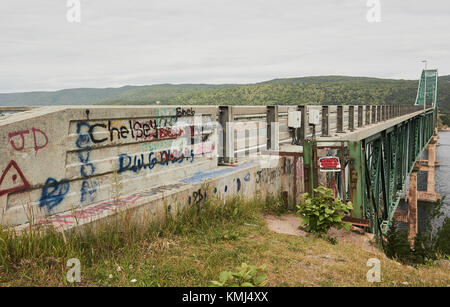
[377, 155]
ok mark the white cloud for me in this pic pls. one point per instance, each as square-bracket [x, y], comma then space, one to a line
[121, 42]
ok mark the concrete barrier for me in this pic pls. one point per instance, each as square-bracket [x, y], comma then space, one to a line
[68, 166]
[56, 158]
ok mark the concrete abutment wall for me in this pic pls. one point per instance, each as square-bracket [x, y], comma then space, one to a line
[69, 165]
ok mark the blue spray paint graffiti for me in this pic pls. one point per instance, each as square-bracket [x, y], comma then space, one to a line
[53, 193]
[88, 190]
[83, 139]
[238, 183]
[87, 169]
[200, 176]
[247, 177]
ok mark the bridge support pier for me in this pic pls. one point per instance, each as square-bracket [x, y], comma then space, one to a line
[412, 206]
[429, 166]
[429, 195]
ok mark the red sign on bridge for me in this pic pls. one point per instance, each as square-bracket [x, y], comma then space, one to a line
[329, 164]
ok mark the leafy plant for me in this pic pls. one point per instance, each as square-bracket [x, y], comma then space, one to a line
[321, 212]
[246, 276]
[397, 244]
[425, 248]
[443, 238]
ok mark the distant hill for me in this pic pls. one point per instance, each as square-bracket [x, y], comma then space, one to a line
[161, 92]
[288, 91]
[137, 94]
[444, 78]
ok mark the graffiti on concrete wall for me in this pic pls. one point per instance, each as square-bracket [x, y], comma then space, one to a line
[89, 185]
[268, 175]
[12, 179]
[66, 219]
[141, 161]
[175, 136]
[160, 128]
[18, 141]
[53, 193]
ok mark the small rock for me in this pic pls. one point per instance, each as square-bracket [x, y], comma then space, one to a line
[133, 280]
[110, 276]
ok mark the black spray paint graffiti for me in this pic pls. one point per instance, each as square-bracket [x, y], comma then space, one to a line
[197, 197]
[152, 129]
[161, 189]
[141, 161]
[53, 193]
[185, 112]
[87, 169]
[267, 175]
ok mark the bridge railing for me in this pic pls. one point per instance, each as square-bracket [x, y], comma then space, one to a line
[53, 158]
[257, 128]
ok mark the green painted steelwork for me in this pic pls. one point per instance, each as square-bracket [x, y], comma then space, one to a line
[428, 83]
[379, 165]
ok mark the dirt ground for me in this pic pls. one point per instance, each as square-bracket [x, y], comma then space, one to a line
[290, 224]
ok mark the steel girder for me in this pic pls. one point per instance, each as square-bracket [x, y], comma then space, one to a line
[389, 159]
[378, 167]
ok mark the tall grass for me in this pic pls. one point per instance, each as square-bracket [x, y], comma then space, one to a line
[99, 242]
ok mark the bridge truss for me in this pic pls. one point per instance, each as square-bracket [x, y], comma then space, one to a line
[376, 168]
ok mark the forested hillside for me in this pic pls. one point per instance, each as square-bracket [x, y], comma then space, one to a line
[289, 91]
[77, 96]
[309, 90]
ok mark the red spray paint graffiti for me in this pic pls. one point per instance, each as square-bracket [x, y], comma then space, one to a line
[20, 147]
[12, 179]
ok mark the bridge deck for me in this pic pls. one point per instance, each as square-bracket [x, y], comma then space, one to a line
[362, 133]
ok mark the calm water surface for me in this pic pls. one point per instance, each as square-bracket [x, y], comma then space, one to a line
[443, 173]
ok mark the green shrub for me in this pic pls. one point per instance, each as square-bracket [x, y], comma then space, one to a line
[321, 212]
[397, 245]
[246, 276]
[425, 248]
[443, 238]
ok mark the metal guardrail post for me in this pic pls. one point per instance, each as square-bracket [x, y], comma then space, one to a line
[351, 118]
[356, 178]
[374, 114]
[227, 146]
[367, 109]
[340, 119]
[325, 121]
[308, 166]
[273, 128]
[360, 116]
[378, 114]
[305, 123]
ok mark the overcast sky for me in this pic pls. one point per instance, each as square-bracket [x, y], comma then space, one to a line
[137, 42]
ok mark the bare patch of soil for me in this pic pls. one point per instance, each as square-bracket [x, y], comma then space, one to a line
[285, 224]
[290, 224]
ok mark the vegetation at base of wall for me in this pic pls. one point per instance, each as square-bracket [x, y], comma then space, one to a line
[276, 205]
[318, 214]
[194, 248]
